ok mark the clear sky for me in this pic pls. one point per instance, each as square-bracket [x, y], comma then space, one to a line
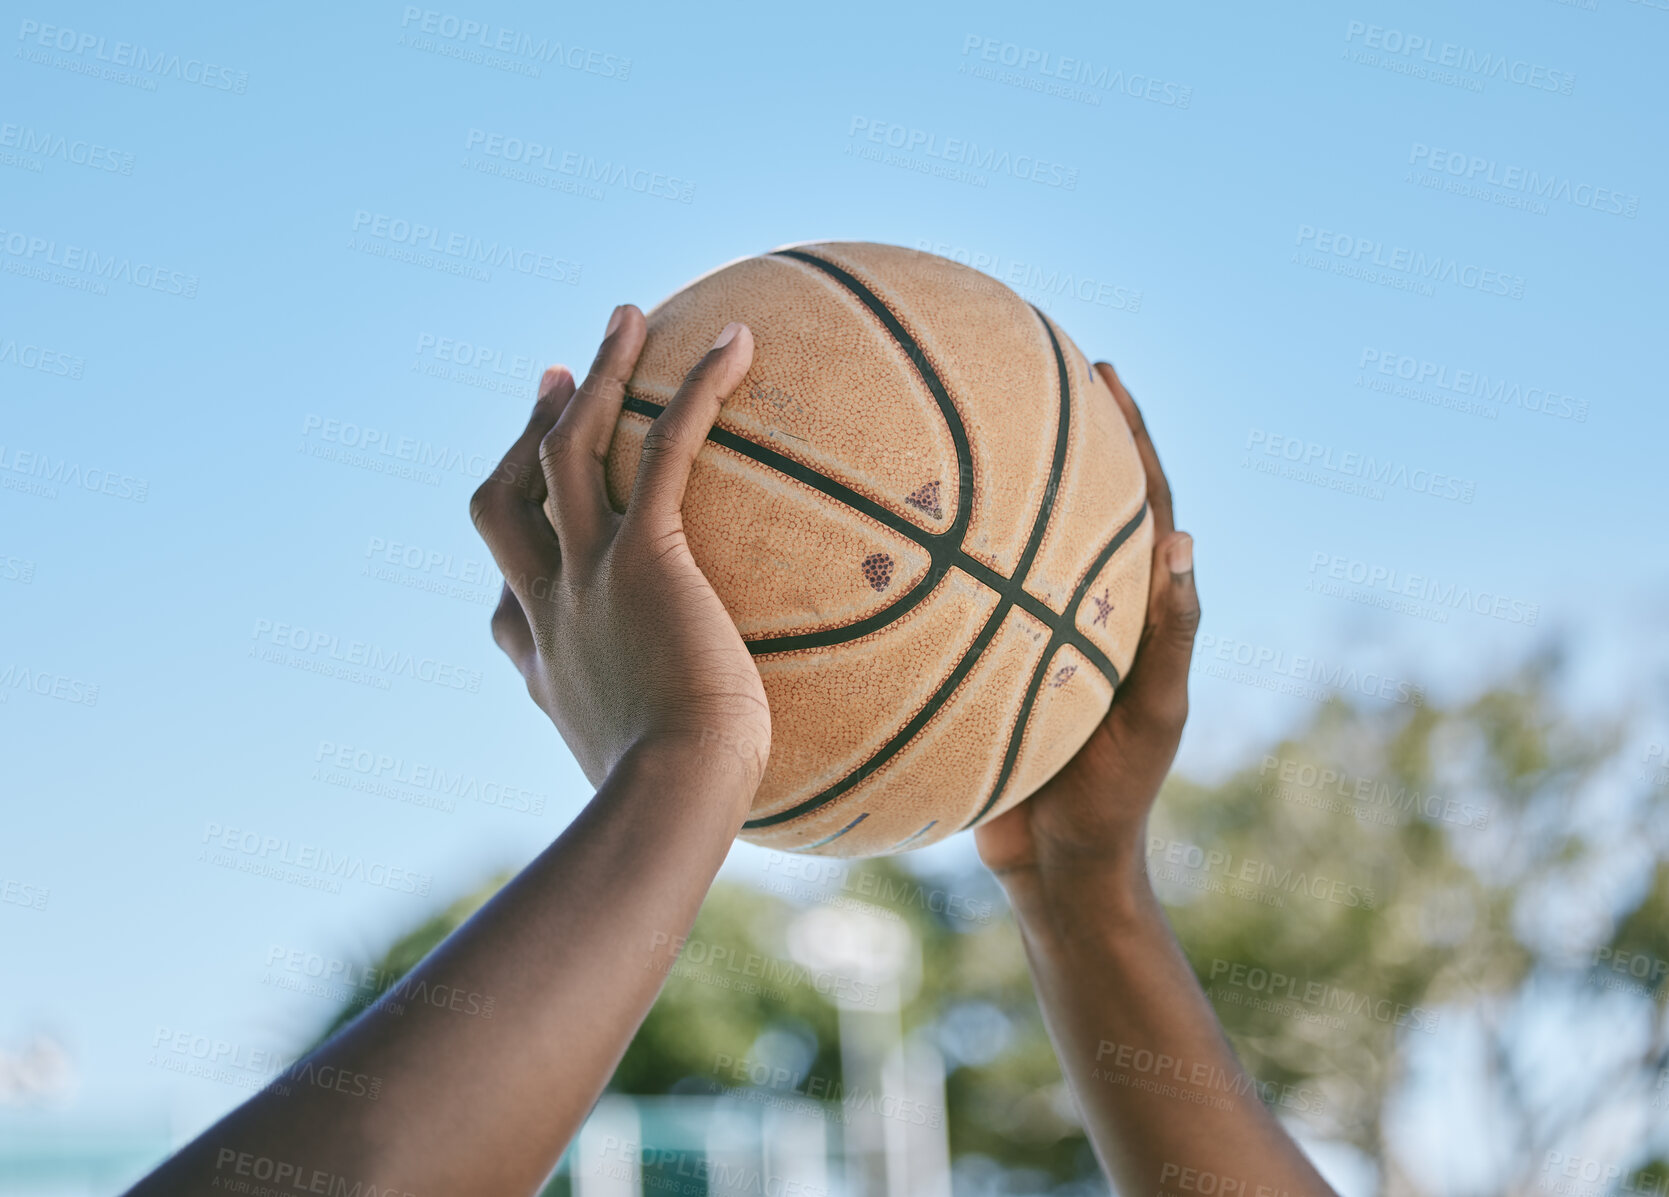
[1421, 236]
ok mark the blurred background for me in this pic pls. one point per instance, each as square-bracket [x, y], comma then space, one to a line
[277, 282]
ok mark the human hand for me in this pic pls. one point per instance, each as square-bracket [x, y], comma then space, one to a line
[621, 639]
[1088, 822]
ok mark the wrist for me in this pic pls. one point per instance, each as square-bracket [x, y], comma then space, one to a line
[721, 769]
[1063, 905]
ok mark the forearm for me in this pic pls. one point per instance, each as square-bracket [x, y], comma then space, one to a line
[1162, 1096]
[570, 955]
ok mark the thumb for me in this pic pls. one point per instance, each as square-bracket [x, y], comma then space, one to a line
[1153, 701]
[673, 440]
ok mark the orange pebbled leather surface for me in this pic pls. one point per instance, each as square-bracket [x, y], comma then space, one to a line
[914, 685]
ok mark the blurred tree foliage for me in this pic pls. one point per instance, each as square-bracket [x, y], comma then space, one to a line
[1389, 891]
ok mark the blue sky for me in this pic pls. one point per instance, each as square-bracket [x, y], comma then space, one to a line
[1307, 238]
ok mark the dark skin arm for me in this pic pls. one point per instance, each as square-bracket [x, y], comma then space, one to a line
[660, 711]
[1161, 1094]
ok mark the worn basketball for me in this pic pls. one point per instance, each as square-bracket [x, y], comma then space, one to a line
[927, 517]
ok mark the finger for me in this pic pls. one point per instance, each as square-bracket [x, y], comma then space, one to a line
[574, 452]
[511, 630]
[518, 472]
[672, 442]
[556, 391]
[1153, 701]
[506, 507]
[1158, 487]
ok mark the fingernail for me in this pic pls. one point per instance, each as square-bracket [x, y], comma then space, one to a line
[728, 335]
[1182, 555]
[548, 382]
[614, 320]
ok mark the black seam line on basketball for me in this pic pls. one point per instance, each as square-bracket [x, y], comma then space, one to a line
[829, 839]
[1038, 609]
[941, 560]
[941, 555]
[1063, 429]
[1005, 602]
[903, 736]
[1016, 735]
[1100, 563]
[935, 385]
[940, 563]
[800, 472]
[910, 839]
[1017, 732]
[1057, 465]
[1015, 587]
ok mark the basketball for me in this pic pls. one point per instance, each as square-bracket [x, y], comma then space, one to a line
[928, 519]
